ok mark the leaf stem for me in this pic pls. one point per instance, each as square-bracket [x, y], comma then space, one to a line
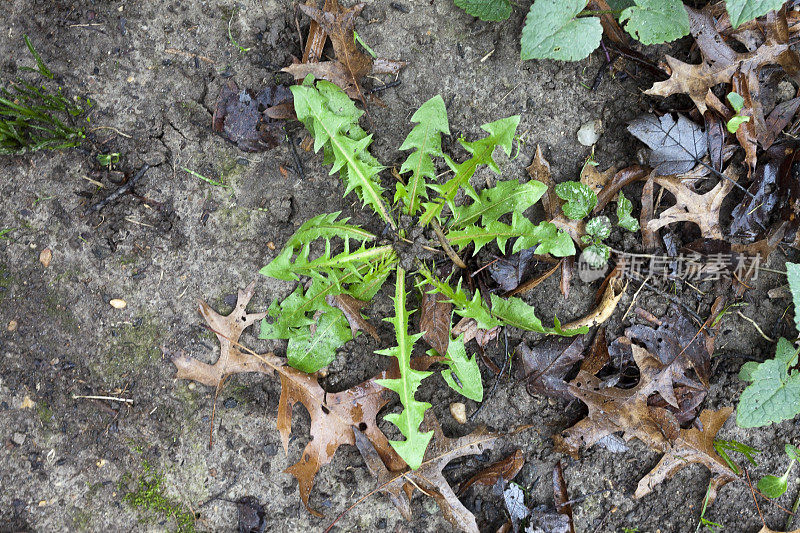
[437, 228]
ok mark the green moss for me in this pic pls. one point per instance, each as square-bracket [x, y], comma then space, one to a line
[149, 496]
[45, 413]
[133, 347]
[5, 281]
[81, 520]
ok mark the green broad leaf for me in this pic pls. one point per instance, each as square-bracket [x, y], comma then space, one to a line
[332, 119]
[741, 11]
[736, 100]
[489, 10]
[311, 350]
[426, 138]
[733, 124]
[774, 394]
[747, 369]
[656, 21]
[490, 204]
[527, 233]
[552, 31]
[465, 369]
[580, 198]
[501, 133]
[596, 254]
[773, 486]
[412, 450]
[599, 227]
[514, 312]
[625, 218]
[793, 276]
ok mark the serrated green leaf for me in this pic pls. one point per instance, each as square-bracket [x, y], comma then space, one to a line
[741, 11]
[656, 21]
[580, 199]
[545, 234]
[492, 203]
[551, 31]
[311, 350]
[501, 133]
[793, 276]
[426, 137]
[464, 306]
[792, 451]
[599, 227]
[412, 450]
[514, 312]
[773, 486]
[625, 218]
[774, 394]
[489, 10]
[327, 227]
[465, 369]
[331, 120]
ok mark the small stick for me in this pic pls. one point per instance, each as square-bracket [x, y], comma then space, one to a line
[119, 192]
[383, 87]
[437, 228]
[109, 398]
[794, 510]
[758, 328]
[750, 484]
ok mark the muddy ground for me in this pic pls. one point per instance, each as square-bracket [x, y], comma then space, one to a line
[154, 70]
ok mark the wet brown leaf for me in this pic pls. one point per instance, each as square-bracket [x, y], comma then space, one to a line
[747, 133]
[561, 496]
[597, 356]
[614, 292]
[624, 177]
[506, 469]
[351, 307]
[252, 121]
[428, 477]
[778, 119]
[545, 365]
[436, 317]
[715, 131]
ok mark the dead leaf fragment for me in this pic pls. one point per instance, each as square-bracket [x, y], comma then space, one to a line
[561, 496]
[506, 469]
[676, 147]
[435, 319]
[351, 307]
[45, 256]
[545, 365]
[252, 121]
[614, 292]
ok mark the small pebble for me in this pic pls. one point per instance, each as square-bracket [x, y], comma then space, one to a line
[118, 303]
[12, 326]
[590, 132]
[230, 403]
[18, 439]
[45, 256]
[459, 412]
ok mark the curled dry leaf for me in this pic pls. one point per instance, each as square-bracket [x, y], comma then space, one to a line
[469, 328]
[399, 486]
[351, 307]
[690, 206]
[545, 365]
[435, 319]
[505, 469]
[608, 303]
[252, 121]
[561, 496]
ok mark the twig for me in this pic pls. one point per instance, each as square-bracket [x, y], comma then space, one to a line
[437, 228]
[758, 328]
[119, 192]
[635, 296]
[188, 54]
[750, 484]
[129, 401]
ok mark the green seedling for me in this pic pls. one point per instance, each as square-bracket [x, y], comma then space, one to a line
[235, 44]
[737, 103]
[210, 181]
[108, 160]
[357, 38]
[774, 486]
[705, 522]
[724, 446]
[4, 233]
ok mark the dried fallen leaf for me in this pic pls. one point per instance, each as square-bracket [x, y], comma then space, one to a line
[428, 477]
[561, 496]
[676, 147]
[746, 133]
[436, 317]
[505, 469]
[545, 365]
[251, 515]
[351, 307]
[351, 64]
[608, 303]
[622, 178]
[690, 206]
[45, 256]
[252, 121]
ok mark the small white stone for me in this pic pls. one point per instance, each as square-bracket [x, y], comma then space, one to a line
[118, 303]
[459, 412]
[590, 132]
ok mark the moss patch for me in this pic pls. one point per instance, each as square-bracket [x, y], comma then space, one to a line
[149, 496]
[133, 346]
[5, 281]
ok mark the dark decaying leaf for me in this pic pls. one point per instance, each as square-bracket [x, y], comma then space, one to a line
[778, 119]
[649, 236]
[428, 477]
[624, 177]
[561, 496]
[251, 515]
[505, 469]
[676, 147]
[748, 132]
[597, 357]
[351, 307]
[545, 365]
[715, 131]
[435, 320]
[509, 272]
[253, 121]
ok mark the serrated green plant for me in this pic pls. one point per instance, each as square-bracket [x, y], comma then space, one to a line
[34, 117]
[580, 200]
[565, 30]
[774, 391]
[330, 258]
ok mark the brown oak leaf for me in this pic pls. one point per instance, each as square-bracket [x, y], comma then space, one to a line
[545, 365]
[399, 486]
[506, 469]
[690, 206]
[351, 307]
